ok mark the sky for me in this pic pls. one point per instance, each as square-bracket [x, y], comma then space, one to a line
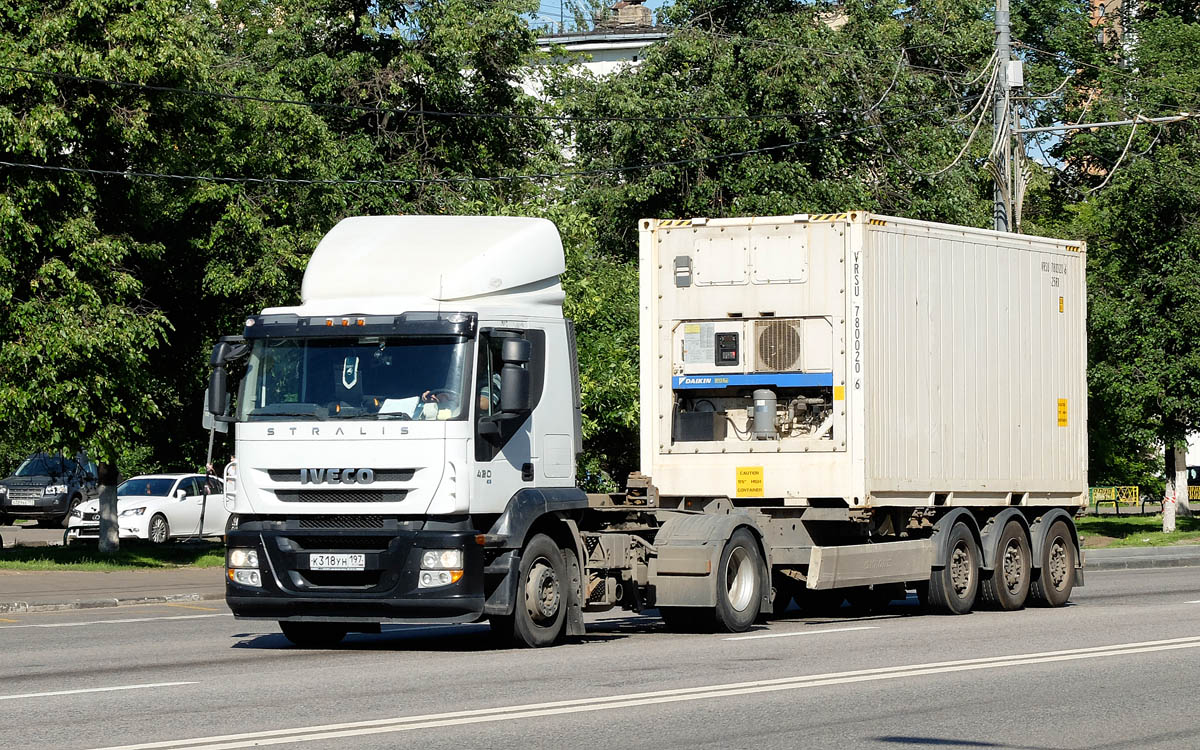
[550, 8]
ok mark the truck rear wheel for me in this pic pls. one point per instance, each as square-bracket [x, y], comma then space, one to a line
[739, 583]
[313, 634]
[953, 587]
[1007, 585]
[1056, 574]
[541, 606]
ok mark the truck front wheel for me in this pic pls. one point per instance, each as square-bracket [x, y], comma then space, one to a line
[541, 604]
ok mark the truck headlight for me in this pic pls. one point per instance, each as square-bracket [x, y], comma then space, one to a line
[55, 489]
[245, 577]
[440, 567]
[442, 559]
[132, 511]
[243, 558]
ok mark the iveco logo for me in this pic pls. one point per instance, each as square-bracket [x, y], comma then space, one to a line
[334, 476]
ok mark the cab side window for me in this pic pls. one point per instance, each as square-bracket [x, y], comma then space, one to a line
[486, 390]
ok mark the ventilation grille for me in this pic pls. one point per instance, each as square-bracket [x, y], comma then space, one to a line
[340, 522]
[778, 345]
[340, 496]
[25, 493]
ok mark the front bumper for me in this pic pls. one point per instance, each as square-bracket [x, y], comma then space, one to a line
[385, 591]
[46, 506]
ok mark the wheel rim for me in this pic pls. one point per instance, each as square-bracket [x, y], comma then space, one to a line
[739, 579]
[158, 532]
[962, 572]
[542, 592]
[1058, 564]
[1014, 567]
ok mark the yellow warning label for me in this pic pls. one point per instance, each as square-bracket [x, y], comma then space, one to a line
[1060, 304]
[839, 393]
[691, 328]
[749, 481]
[1062, 412]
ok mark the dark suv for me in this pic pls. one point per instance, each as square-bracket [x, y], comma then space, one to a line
[47, 487]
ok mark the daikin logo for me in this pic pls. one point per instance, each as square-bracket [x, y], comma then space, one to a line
[337, 476]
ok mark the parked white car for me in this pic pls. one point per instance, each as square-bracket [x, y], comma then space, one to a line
[158, 507]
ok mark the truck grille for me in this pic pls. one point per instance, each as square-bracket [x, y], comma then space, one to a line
[24, 493]
[340, 522]
[342, 543]
[381, 475]
[340, 496]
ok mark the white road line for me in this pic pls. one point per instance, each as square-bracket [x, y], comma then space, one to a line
[143, 686]
[802, 632]
[582, 705]
[105, 622]
[1195, 602]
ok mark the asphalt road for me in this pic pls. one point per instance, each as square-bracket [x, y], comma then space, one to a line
[1119, 668]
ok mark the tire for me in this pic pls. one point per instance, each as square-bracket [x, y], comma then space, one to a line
[539, 612]
[1056, 567]
[739, 583]
[953, 587]
[76, 501]
[313, 634]
[159, 531]
[1007, 586]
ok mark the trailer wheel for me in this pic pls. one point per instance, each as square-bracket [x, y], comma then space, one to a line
[953, 587]
[1056, 574]
[739, 583]
[540, 610]
[1007, 586]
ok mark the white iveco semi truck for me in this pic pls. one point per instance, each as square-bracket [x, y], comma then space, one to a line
[833, 408]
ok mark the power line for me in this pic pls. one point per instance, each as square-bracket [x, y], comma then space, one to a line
[451, 180]
[1130, 76]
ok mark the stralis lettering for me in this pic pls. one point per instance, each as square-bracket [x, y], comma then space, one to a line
[337, 431]
[335, 476]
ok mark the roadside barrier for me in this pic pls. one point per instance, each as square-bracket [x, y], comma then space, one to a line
[1118, 496]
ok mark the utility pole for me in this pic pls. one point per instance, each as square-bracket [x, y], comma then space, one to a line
[1000, 120]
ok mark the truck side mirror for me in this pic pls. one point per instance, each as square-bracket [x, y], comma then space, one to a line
[218, 391]
[514, 376]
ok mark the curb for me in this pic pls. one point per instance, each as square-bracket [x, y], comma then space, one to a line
[6, 607]
[1134, 558]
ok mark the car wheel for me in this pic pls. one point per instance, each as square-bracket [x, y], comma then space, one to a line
[160, 530]
[76, 501]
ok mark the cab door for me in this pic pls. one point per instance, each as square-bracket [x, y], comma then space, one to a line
[506, 449]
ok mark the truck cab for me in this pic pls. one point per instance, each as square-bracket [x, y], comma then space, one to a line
[390, 422]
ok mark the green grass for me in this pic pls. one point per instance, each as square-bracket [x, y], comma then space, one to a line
[130, 557]
[1135, 531]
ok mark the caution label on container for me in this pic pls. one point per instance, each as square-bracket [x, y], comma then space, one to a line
[1062, 412]
[749, 481]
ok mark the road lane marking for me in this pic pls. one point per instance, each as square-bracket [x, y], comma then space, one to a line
[801, 632]
[1195, 602]
[611, 702]
[193, 606]
[5, 619]
[142, 686]
[105, 622]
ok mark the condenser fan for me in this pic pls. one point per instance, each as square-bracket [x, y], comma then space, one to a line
[779, 345]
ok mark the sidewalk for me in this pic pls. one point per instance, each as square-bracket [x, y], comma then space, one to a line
[1123, 558]
[44, 591]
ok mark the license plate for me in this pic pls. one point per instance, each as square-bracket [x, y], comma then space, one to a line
[337, 562]
[21, 501]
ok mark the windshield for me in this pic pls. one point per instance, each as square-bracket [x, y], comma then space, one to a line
[367, 377]
[146, 487]
[43, 464]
